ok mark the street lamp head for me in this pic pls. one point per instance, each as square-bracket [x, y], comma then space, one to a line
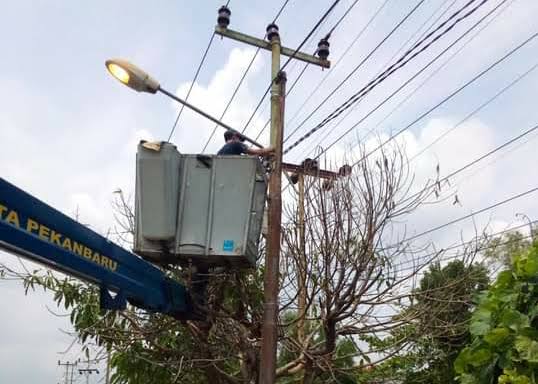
[132, 76]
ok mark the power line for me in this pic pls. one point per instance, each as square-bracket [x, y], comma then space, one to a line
[475, 111]
[411, 79]
[298, 78]
[492, 151]
[193, 81]
[355, 69]
[431, 75]
[348, 48]
[498, 148]
[464, 167]
[341, 18]
[456, 246]
[478, 159]
[241, 80]
[388, 62]
[421, 26]
[467, 243]
[280, 10]
[320, 21]
[288, 91]
[433, 254]
[463, 179]
[327, 36]
[468, 216]
[401, 62]
[444, 100]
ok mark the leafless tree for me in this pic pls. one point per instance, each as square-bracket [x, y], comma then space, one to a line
[345, 274]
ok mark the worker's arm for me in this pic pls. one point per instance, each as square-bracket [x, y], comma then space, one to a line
[260, 151]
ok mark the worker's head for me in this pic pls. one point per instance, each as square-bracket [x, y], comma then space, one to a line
[233, 136]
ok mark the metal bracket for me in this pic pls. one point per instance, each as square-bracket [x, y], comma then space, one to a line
[260, 43]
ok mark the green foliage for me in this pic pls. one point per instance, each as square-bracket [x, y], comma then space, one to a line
[501, 249]
[504, 327]
[442, 310]
[137, 365]
[153, 348]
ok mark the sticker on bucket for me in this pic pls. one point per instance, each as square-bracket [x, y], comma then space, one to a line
[228, 245]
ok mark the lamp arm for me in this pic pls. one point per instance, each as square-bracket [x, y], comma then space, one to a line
[207, 116]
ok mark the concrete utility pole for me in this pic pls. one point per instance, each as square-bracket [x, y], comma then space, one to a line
[301, 274]
[68, 365]
[272, 259]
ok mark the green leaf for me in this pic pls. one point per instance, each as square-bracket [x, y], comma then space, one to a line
[468, 379]
[533, 312]
[482, 314]
[511, 376]
[481, 320]
[462, 360]
[514, 320]
[479, 328]
[527, 348]
[531, 266]
[504, 279]
[497, 336]
[480, 357]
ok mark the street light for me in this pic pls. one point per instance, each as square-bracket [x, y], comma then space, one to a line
[132, 76]
[137, 79]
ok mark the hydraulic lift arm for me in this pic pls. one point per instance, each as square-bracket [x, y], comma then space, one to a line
[36, 231]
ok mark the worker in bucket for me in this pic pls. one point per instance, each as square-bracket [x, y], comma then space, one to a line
[235, 146]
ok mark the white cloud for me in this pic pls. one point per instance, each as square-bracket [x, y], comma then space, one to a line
[194, 130]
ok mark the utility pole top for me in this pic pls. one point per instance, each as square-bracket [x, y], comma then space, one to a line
[263, 44]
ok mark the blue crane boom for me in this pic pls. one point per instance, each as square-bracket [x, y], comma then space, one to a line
[36, 231]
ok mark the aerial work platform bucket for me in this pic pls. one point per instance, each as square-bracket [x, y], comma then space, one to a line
[204, 209]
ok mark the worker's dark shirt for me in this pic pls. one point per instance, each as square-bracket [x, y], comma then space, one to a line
[233, 148]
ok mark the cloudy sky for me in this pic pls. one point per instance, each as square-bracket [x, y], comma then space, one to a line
[68, 131]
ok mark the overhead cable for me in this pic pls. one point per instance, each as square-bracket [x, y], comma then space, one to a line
[450, 96]
[346, 51]
[431, 256]
[300, 75]
[193, 81]
[415, 76]
[401, 62]
[241, 81]
[474, 112]
[355, 69]
[464, 167]
[320, 21]
[433, 73]
[488, 208]
[338, 123]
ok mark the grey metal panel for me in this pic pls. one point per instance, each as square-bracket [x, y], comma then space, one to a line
[156, 198]
[257, 211]
[219, 217]
[234, 182]
[198, 208]
[195, 191]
